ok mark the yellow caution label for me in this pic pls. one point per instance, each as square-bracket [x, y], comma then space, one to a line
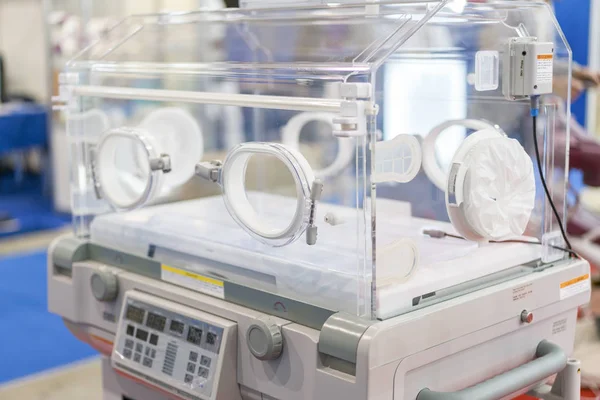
[574, 281]
[192, 280]
[575, 286]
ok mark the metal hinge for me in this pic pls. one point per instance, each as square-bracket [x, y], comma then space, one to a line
[352, 120]
[315, 195]
[209, 170]
[162, 163]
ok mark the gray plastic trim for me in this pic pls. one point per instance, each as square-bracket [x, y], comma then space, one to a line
[127, 262]
[68, 250]
[269, 303]
[550, 359]
[249, 394]
[340, 336]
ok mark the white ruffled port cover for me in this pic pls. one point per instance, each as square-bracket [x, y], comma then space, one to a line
[491, 187]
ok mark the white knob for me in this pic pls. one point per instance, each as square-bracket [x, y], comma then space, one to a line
[105, 285]
[264, 339]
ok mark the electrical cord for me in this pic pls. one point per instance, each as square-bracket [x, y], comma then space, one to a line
[437, 234]
[535, 105]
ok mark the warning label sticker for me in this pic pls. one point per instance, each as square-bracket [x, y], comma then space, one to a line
[522, 292]
[574, 286]
[544, 68]
[192, 281]
[559, 326]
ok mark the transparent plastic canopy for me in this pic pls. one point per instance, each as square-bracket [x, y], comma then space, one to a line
[325, 154]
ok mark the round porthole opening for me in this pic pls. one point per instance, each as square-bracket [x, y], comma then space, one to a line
[122, 168]
[273, 219]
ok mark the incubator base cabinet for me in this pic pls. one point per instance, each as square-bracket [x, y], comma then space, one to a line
[337, 201]
[462, 348]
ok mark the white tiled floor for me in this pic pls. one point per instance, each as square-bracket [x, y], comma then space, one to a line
[76, 382]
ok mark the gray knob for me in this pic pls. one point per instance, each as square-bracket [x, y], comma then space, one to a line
[105, 285]
[264, 339]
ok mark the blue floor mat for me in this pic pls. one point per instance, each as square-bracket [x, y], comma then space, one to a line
[31, 339]
[29, 209]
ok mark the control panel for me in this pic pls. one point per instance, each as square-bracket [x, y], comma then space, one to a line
[172, 346]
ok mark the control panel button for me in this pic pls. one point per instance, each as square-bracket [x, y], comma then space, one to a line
[154, 339]
[158, 350]
[105, 285]
[167, 370]
[141, 334]
[205, 361]
[191, 367]
[211, 338]
[203, 372]
[526, 317]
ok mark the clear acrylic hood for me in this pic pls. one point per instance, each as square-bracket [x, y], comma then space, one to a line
[307, 151]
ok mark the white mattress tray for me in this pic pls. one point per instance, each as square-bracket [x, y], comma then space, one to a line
[201, 236]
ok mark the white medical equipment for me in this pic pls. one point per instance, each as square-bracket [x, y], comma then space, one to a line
[436, 174]
[216, 296]
[490, 187]
[135, 165]
[397, 160]
[290, 136]
[231, 176]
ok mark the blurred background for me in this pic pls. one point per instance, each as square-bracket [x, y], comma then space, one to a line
[37, 37]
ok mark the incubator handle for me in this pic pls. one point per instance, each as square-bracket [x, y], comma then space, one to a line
[550, 359]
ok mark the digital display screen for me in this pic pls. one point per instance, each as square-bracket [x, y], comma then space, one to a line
[177, 327]
[135, 314]
[141, 334]
[156, 321]
[194, 335]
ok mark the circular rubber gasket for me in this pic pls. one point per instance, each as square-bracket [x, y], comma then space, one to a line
[233, 174]
[130, 186]
[290, 137]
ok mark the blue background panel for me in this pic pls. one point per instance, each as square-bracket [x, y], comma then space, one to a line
[574, 18]
[31, 339]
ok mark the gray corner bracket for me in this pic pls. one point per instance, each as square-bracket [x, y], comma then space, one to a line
[68, 250]
[340, 336]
